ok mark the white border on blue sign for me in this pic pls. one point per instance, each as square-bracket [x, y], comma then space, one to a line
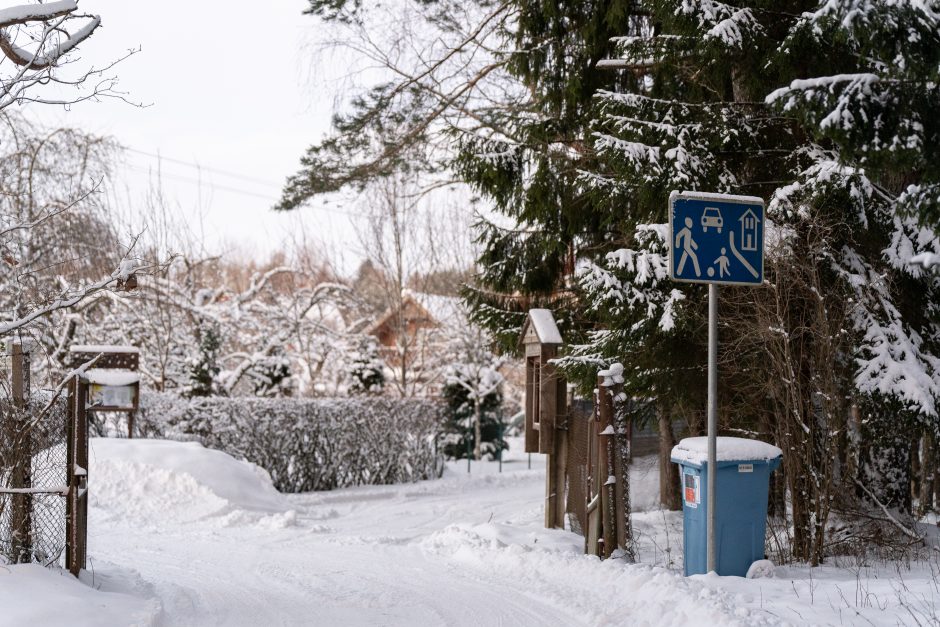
[729, 198]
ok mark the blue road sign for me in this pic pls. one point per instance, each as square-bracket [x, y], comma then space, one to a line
[716, 238]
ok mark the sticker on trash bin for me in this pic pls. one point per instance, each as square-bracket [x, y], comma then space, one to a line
[745, 467]
[691, 490]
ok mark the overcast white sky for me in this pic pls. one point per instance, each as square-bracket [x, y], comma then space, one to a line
[233, 88]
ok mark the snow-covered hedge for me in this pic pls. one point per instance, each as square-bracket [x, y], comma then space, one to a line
[309, 444]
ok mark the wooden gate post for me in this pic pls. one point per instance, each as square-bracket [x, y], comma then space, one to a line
[76, 524]
[593, 507]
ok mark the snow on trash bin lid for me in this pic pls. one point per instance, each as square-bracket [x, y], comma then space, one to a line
[695, 450]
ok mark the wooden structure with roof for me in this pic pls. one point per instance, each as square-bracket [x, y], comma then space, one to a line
[546, 408]
[408, 319]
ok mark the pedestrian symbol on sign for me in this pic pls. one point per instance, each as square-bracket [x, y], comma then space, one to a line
[688, 245]
[716, 238]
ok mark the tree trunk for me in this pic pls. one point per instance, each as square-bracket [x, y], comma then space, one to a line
[477, 430]
[927, 472]
[916, 453]
[668, 471]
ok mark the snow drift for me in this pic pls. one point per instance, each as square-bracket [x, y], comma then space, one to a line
[151, 481]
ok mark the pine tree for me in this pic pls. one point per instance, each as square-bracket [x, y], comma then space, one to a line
[843, 318]
[460, 393]
[271, 374]
[366, 369]
[532, 173]
[204, 367]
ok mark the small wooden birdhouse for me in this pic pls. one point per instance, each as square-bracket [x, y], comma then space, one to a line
[545, 389]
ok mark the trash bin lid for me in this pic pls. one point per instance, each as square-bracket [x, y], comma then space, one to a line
[695, 450]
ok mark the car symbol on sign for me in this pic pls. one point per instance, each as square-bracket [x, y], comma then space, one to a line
[711, 217]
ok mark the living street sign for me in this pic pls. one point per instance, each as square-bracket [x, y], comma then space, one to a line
[716, 238]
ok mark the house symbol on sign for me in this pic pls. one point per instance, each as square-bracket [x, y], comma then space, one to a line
[749, 230]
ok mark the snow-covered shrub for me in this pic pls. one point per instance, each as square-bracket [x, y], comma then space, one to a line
[310, 444]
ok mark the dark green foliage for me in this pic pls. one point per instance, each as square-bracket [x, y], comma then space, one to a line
[459, 441]
[884, 464]
[366, 370]
[204, 367]
[271, 375]
[536, 178]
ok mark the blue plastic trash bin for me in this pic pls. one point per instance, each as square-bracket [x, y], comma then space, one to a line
[742, 487]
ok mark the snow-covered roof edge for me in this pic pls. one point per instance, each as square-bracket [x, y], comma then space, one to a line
[543, 322]
[103, 348]
[111, 376]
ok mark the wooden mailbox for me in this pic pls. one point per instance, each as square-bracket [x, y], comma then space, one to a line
[546, 407]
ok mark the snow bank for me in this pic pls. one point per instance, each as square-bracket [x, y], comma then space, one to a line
[550, 565]
[695, 450]
[159, 481]
[33, 595]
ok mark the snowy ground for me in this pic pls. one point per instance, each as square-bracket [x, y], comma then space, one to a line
[181, 535]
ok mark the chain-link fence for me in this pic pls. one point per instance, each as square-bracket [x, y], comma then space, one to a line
[33, 480]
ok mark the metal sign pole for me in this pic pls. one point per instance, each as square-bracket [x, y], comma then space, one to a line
[712, 421]
[716, 239]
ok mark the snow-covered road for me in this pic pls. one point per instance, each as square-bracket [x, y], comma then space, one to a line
[371, 556]
[185, 536]
[218, 546]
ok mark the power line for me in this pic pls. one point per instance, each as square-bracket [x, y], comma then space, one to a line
[208, 183]
[197, 166]
[233, 190]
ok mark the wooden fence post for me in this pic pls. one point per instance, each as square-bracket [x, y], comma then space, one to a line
[561, 449]
[21, 457]
[606, 486]
[622, 457]
[593, 509]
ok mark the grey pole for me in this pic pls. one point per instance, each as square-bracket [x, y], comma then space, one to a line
[712, 420]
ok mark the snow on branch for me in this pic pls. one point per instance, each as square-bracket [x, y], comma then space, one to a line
[806, 87]
[72, 297]
[258, 282]
[636, 279]
[27, 14]
[728, 24]
[891, 359]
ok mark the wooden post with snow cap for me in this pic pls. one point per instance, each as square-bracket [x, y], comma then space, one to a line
[609, 527]
[605, 465]
[546, 408]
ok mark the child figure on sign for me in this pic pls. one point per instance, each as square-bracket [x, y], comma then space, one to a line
[722, 263]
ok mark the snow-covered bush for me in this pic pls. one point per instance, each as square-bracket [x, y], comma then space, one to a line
[309, 444]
